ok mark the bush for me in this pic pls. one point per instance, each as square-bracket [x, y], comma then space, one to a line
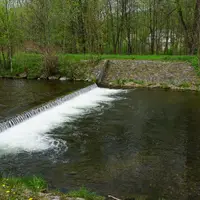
[73, 69]
[50, 64]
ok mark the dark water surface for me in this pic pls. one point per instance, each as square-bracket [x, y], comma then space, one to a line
[144, 145]
[19, 95]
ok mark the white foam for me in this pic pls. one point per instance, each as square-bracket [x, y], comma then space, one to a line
[32, 134]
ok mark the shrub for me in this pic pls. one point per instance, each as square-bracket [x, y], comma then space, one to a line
[50, 64]
[72, 68]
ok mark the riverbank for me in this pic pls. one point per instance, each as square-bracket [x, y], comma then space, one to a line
[37, 189]
[50, 67]
[115, 71]
[151, 74]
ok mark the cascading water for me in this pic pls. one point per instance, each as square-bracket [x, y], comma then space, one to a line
[29, 130]
[26, 115]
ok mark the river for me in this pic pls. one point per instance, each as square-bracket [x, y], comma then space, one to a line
[128, 143]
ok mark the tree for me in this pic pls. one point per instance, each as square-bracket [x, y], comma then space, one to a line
[8, 32]
[106, 26]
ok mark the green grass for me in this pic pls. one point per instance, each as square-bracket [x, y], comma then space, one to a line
[185, 85]
[134, 57]
[164, 86]
[123, 82]
[72, 65]
[21, 188]
[73, 68]
[86, 194]
[31, 62]
[33, 183]
[193, 60]
[31, 189]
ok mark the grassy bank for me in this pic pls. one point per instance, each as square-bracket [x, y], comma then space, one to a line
[37, 189]
[37, 65]
[74, 66]
[136, 57]
[183, 58]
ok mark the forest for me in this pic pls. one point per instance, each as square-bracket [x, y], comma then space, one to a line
[98, 26]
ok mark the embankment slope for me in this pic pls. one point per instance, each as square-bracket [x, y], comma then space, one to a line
[152, 74]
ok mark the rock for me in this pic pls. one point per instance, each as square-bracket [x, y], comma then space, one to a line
[88, 80]
[49, 196]
[72, 173]
[53, 77]
[151, 72]
[77, 79]
[64, 78]
[23, 75]
[43, 76]
[55, 198]
[75, 198]
[32, 78]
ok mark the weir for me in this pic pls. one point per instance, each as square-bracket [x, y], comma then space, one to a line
[30, 131]
[35, 111]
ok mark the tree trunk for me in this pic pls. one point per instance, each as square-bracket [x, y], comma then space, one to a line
[4, 58]
[189, 35]
[198, 28]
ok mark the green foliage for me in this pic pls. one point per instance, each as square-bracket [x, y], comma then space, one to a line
[33, 183]
[184, 58]
[164, 86]
[50, 64]
[77, 66]
[32, 63]
[31, 189]
[36, 183]
[79, 27]
[139, 82]
[123, 82]
[194, 63]
[84, 193]
[95, 58]
[79, 57]
[21, 188]
[120, 82]
[193, 60]
[10, 33]
[73, 67]
[185, 85]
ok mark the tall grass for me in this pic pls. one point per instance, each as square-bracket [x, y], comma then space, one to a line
[33, 183]
[21, 188]
[24, 188]
[27, 61]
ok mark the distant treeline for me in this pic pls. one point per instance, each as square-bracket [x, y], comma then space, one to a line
[98, 26]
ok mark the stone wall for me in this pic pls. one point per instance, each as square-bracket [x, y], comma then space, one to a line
[138, 73]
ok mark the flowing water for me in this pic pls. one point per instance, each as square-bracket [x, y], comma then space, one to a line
[17, 96]
[138, 143]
